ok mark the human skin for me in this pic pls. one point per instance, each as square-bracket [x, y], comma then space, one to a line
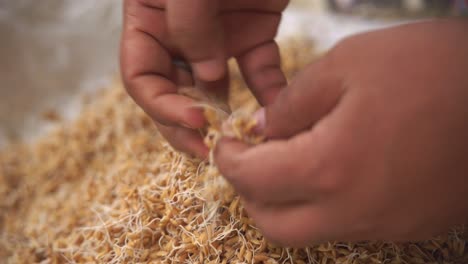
[205, 33]
[368, 143]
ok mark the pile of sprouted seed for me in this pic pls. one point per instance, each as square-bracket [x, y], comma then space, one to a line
[107, 188]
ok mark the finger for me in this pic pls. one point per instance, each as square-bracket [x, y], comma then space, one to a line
[182, 77]
[261, 68]
[246, 30]
[306, 224]
[259, 6]
[311, 95]
[185, 140]
[151, 85]
[147, 16]
[148, 74]
[272, 173]
[195, 28]
[217, 91]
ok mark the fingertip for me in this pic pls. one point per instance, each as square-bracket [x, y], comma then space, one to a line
[196, 148]
[260, 119]
[232, 145]
[185, 140]
[227, 151]
[210, 70]
[193, 118]
[202, 152]
[261, 68]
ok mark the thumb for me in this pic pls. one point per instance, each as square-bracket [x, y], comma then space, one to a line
[196, 30]
[311, 95]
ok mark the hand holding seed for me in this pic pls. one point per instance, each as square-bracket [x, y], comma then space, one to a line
[205, 33]
[370, 142]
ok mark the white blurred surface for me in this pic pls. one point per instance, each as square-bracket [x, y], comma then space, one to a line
[51, 50]
[324, 28]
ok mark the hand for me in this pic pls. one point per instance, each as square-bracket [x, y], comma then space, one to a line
[205, 33]
[368, 143]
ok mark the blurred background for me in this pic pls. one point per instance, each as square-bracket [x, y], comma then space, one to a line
[52, 51]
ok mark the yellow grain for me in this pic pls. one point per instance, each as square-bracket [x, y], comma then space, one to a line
[107, 187]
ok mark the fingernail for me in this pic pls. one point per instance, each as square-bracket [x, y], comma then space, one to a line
[260, 118]
[210, 70]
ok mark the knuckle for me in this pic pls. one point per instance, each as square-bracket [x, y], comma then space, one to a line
[333, 177]
[183, 31]
[179, 30]
[125, 71]
[129, 67]
[128, 81]
[126, 75]
[279, 115]
[130, 89]
[330, 169]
